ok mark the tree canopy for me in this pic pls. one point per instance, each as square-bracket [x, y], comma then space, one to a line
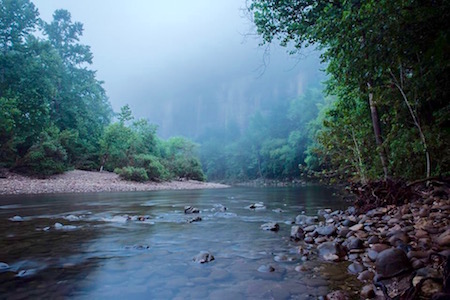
[389, 59]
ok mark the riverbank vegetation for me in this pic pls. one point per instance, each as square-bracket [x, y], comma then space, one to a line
[54, 112]
[388, 68]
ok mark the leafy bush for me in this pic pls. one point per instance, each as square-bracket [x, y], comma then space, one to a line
[132, 174]
[45, 157]
[153, 166]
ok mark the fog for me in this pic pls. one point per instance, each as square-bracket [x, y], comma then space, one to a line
[186, 65]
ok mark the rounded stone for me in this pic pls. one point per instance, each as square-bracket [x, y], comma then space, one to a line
[266, 269]
[355, 268]
[392, 262]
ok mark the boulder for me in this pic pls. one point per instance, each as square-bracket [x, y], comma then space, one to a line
[392, 262]
[297, 233]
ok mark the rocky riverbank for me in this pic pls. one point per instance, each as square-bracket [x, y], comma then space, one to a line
[397, 252]
[78, 181]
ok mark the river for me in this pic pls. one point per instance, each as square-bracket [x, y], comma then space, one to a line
[93, 246]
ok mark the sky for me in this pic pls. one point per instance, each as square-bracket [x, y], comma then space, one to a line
[185, 65]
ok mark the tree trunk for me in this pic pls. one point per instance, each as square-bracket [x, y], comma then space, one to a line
[377, 131]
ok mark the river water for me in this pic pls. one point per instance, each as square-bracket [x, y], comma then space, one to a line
[92, 246]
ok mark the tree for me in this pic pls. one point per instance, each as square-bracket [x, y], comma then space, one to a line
[362, 43]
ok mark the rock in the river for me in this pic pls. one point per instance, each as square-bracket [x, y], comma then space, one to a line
[266, 269]
[203, 257]
[191, 210]
[331, 251]
[297, 233]
[256, 206]
[326, 230]
[16, 219]
[366, 275]
[4, 266]
[392, 262]
[195, 219]
[271, 226]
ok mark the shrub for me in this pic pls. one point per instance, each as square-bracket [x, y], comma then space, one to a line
[132, 174]
[153, 166]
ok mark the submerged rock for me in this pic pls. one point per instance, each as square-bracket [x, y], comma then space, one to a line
[266, 269]
[271, 226]
[4, 267]
[256, 206]
[16, 219]
[191, 210]
[195, 219]
[305, 220]
[203, 257]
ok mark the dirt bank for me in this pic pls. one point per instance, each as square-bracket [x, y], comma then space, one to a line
[78, 181]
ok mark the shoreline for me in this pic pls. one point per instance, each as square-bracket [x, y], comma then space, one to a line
[78, 181]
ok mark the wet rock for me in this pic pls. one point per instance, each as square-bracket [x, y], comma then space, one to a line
[191, 210]
[277, 210]
[266, 269]
[355, 268]
[195, 219]
[398, 238]
[72, 218]
[392, 262]
[203, 257]
[256, 206]
[366, 276]
[271, 226]
[297, 233]
[326, 230]
[305, 220]
[367, 292]
[4, 267]
[60, 226]
[320, 240]
[16, 219]
[331, 251]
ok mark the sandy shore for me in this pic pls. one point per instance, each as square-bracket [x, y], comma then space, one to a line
[78, 181]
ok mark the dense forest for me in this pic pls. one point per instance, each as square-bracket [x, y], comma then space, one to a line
[382, 113]
[388, 68]
[54, 112]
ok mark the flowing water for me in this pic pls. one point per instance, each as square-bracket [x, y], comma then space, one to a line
[93, 246]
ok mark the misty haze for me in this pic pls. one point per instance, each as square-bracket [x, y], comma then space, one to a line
[239, 149]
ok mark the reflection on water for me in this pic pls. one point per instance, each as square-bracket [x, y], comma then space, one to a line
[140, 246]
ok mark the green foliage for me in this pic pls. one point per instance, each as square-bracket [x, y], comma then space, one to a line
[46, 156]
[392, 55]
[132, 173]
[153, 166]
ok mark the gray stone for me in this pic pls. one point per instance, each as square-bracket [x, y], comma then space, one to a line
[327, 249]
[392, 262]
[326, 230]
[305, 220]
[266, 269]
[271, 226]
[355, 268]
[191, 210]
[203, 257]
[297, 233]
